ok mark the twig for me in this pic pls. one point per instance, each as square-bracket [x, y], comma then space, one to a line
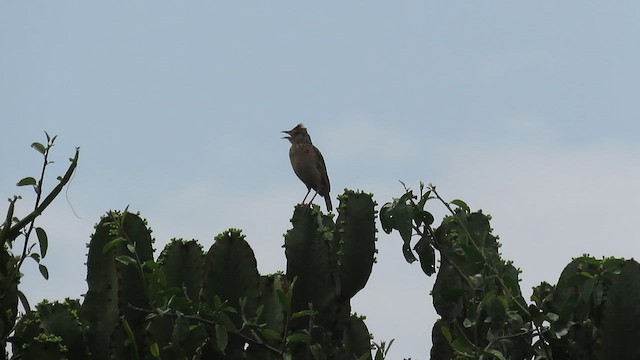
[210, 322]
[13, 232]
[38, 189]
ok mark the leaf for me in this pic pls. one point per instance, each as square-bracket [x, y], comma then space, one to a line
[446, 333]
[35, 256]
[222, 338]
[467, 323]
[285, 300]
[125, 259]
[317, 352]
[303, 313]
[427, 255]
[131, 248]
[385, 217]
[298, 337]
[44, 271]
[155, 350]
[408, 254]
[26, 181]
[496, 354]
[39, 147]
[461, 204]
[42, 239]
[423, 217]
[270, 334]
[24, 301]
[130, 337]
[108, 246]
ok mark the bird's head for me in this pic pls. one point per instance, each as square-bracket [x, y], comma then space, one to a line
[298, 135]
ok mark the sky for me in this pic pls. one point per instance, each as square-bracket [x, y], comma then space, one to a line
[526, 110]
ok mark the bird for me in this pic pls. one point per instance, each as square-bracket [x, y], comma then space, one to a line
[308, 164]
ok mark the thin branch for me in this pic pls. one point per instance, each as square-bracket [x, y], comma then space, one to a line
[38, 189]
[211, 323]
[14, 231]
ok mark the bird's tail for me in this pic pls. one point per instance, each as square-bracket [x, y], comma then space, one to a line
[327, 200]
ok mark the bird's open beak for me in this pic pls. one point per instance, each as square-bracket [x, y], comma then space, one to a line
[288, 133]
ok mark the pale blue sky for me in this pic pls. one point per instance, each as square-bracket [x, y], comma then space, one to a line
[526, 110]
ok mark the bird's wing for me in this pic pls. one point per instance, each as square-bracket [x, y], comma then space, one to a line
[322, 168]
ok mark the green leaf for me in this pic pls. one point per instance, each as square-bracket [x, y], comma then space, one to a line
[461, 204]
[408, 254]
[24, 301]
[39, 147]
[130, 337]
[35, 256]
[467, 323]
[298, 337]
[423, 217]
[496, 354]
[44, 271]
[303, 313]
[552, 317]
[108, 246]
[270, 334]
[42, 239]
[285, 300]
[385, 217]
[317, 352]
[427, 255]
[222, 338]
[125, 259]
[155, 350]
[27, 181]
[131, 248]
[446, 333]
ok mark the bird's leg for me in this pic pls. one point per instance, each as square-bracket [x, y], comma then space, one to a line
[313, 197]
[305, 197]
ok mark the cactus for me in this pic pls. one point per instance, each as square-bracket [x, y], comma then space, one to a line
[355, 234]
[180, 265]
[331, 263]
[53, 331]
[231, 275]
[595, 303]
[311, 263]
[215, 305]
[356, 338]
[116, 284]
[619, 326]
[99, 310]
[9, 278]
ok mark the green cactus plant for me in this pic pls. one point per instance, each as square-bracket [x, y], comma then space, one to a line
[215, 305]
[178, 278]
[231, 275]
[52, 331]
[311, 263]
[330, 264]
[9, 279]
[354, 236]
[120, 246]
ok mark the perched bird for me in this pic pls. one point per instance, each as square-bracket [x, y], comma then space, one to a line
[308, 164]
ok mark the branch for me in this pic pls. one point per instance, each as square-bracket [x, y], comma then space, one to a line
[14, 231]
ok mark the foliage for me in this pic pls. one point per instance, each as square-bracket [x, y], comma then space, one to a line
[591, 313]
[14, 228]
